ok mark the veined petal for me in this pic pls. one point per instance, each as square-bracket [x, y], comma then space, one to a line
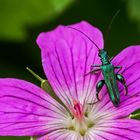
[124, 129]
[63, 135]
[67, 56]
[26, 110]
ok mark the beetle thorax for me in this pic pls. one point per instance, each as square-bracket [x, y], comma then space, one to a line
[104, 57]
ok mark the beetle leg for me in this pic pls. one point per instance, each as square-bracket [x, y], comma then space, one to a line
[121, 79]
[92, 71]
[99, 86]
[111, 58]
[95, 65]
[118, 67]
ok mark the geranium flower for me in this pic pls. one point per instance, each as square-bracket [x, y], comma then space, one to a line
[27, 110]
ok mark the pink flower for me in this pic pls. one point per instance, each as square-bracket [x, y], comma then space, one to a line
[27, 110]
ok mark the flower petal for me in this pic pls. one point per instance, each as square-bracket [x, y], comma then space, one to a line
[124, 129]
[63, 135]
[26, 110]
[67, 56]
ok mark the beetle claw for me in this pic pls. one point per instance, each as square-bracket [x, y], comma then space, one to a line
[97, 96]
[126, 90]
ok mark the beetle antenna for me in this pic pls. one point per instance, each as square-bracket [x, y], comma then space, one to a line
[110, 24]
[84, 35]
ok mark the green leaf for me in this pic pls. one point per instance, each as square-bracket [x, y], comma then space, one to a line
[16, 15]
[133, 9]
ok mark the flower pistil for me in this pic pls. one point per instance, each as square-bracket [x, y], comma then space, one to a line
[80, 121]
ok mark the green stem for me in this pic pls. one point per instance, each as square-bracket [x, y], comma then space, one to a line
[34, 74]
[134, 115]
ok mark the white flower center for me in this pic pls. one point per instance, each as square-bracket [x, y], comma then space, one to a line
[80, 122]
[81, 126]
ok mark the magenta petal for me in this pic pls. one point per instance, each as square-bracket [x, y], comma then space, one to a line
[25, 109]
[43, 138]
[123, 129]
[67, 56]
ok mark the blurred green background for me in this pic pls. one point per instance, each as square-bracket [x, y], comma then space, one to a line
[21, 22]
